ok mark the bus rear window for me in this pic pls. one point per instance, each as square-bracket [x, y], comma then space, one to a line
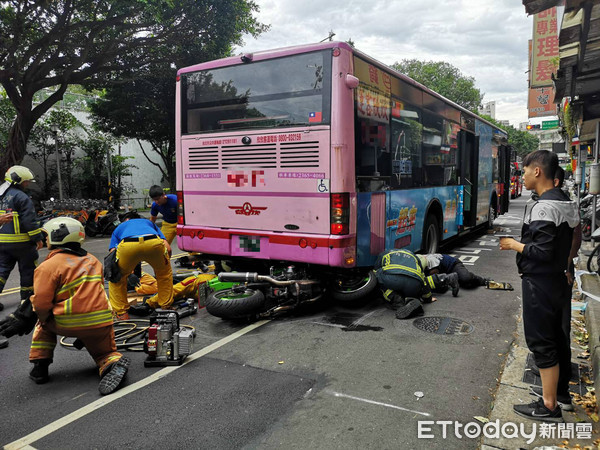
[282, 92]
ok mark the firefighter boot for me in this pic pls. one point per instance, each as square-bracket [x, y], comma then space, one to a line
[113, 376]
[39, 373]
[411, 308]
[450, 279]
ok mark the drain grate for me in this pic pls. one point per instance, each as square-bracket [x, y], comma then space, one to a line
[443, 325]
[577, 384]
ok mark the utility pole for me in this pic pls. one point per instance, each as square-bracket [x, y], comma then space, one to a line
[55, 132]
[110, 197]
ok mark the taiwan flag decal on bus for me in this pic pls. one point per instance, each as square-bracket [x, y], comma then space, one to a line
[315, 117]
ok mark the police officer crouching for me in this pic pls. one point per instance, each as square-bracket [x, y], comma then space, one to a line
[404, 283]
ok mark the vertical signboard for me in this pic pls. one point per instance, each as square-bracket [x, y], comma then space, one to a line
[545, 48]
[540, 102]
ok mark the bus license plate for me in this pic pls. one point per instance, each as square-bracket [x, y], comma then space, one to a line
[250, 243]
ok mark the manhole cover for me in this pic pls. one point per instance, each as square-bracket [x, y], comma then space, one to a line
[443, 325]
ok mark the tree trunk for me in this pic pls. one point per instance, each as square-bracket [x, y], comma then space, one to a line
[17, 142]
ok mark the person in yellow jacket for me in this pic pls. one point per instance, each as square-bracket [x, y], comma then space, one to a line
[187, 288]
[70, 300]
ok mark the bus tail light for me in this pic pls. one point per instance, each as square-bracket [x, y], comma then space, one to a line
[340, 213]
[180, 217]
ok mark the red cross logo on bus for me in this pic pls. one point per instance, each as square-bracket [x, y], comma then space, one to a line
[247, 209]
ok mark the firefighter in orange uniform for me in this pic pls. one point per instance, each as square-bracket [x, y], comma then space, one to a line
[70, 300]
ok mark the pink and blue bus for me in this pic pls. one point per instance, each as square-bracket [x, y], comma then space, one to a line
[322, 156]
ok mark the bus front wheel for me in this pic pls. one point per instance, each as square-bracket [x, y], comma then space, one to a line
[431, 235]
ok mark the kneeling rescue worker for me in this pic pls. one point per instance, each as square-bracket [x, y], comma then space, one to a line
[403, 282]
[70, 300]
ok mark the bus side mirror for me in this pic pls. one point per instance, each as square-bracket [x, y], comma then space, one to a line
[351, 81]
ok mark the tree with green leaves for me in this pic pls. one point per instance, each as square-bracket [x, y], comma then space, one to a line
[522, 141]
[445, 79]
[92, 174]
[58, 43]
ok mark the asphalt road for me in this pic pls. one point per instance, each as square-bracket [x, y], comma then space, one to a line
[333, 377]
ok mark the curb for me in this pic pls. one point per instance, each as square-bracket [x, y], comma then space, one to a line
[592, 319]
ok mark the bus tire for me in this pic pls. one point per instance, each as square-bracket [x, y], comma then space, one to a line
[233, 304]
[355, 288]
[431, 235]
[491, 216]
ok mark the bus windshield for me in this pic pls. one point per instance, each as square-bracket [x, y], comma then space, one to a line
[289, 91]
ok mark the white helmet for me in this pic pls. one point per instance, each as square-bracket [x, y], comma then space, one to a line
[18, 174]
[64, 229]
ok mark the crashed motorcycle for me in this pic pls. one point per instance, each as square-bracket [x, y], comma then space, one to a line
[283, 290]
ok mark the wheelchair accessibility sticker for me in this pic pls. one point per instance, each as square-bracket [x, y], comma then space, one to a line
[323, 185]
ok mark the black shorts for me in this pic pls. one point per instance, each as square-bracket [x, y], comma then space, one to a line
[546, 309]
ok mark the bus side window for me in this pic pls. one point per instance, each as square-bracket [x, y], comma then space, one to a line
[372, 154]
[439, 149]
[406, 161]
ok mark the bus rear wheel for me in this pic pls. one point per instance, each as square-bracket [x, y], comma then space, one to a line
[431, 235]
[491, 217]
[354, 288]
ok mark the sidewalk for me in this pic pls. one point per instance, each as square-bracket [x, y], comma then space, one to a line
[515, 379]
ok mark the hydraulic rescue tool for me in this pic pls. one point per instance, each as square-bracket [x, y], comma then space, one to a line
[166, 342]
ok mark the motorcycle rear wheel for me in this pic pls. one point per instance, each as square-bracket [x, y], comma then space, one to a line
[235, 304]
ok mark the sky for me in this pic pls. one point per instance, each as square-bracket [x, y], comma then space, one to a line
[484, 39]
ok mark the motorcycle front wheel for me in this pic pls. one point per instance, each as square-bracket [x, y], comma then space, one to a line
[235, 303]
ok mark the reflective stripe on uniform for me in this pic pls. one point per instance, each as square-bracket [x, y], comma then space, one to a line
[45, 345]
[387, 266]
[78, 282]
[12, 238]
[430, 282]
[16, 222]
[386, 294]
[84, 320]
[36, 231]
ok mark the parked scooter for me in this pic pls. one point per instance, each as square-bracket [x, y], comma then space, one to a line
[101, 223]
[586, 211]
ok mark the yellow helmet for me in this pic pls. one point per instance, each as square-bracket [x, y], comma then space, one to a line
[18, 174]
[64, 229]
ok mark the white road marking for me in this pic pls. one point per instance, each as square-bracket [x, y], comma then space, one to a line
[24, 442]
[373, 402]
[335, 325]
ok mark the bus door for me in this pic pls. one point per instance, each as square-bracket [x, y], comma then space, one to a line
[504, 177]
[469, 162]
